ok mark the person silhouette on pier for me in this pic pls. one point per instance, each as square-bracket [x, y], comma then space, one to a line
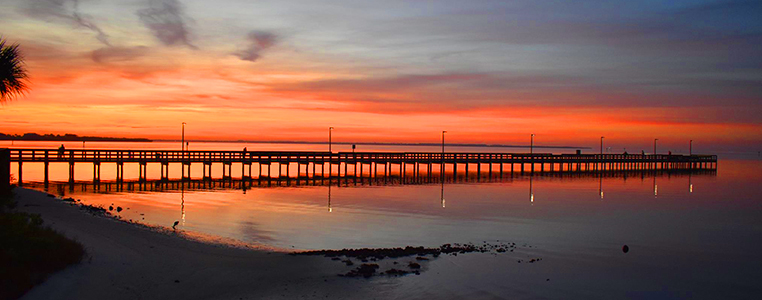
[61, 151]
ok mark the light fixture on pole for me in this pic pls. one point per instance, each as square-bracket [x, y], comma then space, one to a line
[329, 139]
[443, 133]
[531, 144]
[182, 142]
[655, 146]
[690, 147]
[602, 144]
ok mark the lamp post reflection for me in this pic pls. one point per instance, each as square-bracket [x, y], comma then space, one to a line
[600, 186]
[656, 188]
[531, 194]
[690, 184]
[329, 199]
[442, 193]
[182, 204]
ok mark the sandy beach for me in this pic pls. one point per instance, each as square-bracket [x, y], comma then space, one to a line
[129, 261]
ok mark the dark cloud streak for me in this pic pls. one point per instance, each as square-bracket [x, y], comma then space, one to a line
[259, 41]
[118, 54]
[167, 21]
[65, 10]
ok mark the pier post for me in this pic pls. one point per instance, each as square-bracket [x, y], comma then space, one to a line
[5, 171]
[119, 171]
[47, 166]
[20, 173]
[71, 172]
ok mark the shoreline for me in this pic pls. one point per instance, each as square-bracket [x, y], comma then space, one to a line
[131, 261]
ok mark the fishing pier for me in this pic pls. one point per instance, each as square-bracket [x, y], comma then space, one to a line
[257, 165]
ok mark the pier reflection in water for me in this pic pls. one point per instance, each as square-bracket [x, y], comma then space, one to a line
[288, 212]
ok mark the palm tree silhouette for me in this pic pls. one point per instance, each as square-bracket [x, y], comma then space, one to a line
[13, 73]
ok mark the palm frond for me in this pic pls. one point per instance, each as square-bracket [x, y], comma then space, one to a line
[13, 74]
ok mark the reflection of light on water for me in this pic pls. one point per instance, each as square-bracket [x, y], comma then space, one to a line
[443, 203]
[182, 206]
[690, 189]
[329, 200]
[531, 194]
[656, 190]
[601, 194]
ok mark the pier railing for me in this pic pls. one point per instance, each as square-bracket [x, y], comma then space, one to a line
[530, 162]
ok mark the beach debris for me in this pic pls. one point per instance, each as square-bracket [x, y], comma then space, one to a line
[364, 254]
[421, 254]
[396, 272]
[533, 260]
[95, 210]
[364, 270]
[118, 209]
[625, 249]
[175, 225]
[110, 208]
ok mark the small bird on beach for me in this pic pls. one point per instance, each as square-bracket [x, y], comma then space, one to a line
[174, 225]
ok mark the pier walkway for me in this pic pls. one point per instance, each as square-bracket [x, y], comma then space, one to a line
[348, 164]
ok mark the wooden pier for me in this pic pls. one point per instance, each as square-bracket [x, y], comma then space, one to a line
[322, 164]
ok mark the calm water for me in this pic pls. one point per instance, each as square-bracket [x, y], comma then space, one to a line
[690, 236]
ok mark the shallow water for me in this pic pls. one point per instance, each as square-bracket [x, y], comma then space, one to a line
[690, 235]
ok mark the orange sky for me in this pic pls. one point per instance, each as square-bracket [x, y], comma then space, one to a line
[290, 83]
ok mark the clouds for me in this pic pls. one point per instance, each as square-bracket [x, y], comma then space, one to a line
[67, 10]
[258, 42]
[118, 54]
[167, 21]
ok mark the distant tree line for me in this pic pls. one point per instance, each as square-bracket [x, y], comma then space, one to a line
[66, 137]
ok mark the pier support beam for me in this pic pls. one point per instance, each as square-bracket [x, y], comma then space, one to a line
[5, 171]
[21, 174]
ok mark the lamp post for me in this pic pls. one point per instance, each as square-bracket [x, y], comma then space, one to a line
[443, 133]
[531, 144]
[329, 139]
[182, 143]
[690, 147]
[602, 144]
[655, 146]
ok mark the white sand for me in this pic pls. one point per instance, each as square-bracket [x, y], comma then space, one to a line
[127, 261]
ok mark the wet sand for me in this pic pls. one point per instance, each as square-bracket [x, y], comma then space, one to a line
[130, 261]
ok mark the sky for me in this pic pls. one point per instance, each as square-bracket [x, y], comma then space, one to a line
[393, 71]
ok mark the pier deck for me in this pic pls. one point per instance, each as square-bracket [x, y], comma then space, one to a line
[401, 163]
